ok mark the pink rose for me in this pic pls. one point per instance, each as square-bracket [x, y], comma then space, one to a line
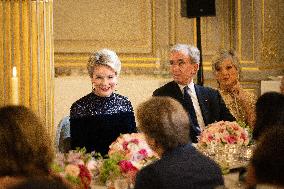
[143, 152]
[210, 138]
[231, 139]
[243, 136]
[135, 141]
[91, 165]
[85, 176]
[126, 166]
[124, 145]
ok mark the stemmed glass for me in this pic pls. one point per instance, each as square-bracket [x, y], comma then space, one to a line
[121, 183]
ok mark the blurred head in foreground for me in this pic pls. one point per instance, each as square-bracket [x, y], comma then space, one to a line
[26, 148]
[164, 122]
[269, 113]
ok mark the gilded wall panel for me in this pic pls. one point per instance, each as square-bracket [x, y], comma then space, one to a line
[184, 28]
[82, 26]
[142, 32]
[281, 31]
[246, 31]
[272, 31]
[216, 31]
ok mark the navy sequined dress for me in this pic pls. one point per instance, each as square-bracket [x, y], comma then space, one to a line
[95, 122]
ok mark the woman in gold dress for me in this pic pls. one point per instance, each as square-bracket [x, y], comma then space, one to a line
[241, 103]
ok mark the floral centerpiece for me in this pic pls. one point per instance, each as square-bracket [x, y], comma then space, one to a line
[227, 143]
[77, 167]
[127, 155]
[224, 132]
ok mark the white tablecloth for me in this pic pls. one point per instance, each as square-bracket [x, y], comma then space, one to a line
[231, 182]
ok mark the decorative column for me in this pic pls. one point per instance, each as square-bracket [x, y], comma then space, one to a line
[26, 44]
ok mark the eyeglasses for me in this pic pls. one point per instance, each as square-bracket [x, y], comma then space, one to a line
[179, 62]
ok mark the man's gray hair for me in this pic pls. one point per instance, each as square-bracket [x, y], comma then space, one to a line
[188, 50]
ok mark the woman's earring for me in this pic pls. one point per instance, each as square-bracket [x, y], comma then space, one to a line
[93, 88]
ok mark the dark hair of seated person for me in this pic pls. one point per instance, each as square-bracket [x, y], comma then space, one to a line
[26, 149]
[268, 158]
[269, 112]
[42, 183]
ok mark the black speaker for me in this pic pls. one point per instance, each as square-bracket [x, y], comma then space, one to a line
[197, 8]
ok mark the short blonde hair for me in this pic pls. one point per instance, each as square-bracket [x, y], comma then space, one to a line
[164, 120]
[104, 57]
[222, 55]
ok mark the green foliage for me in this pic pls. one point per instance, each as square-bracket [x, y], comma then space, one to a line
[74, 180]
[88, 156]
[97, 155]
[243, 125]
[110, 168]
[56, 168]
[249, 129]
[225, 170]
[81, 150]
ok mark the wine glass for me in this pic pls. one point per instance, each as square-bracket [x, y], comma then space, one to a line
[121, 183]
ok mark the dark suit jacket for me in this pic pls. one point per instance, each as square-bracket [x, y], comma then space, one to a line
[210, 101]
[181, 168]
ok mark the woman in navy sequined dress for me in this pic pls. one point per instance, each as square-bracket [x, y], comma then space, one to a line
[98, 118]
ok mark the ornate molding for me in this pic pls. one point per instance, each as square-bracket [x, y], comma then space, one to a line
[124, 26]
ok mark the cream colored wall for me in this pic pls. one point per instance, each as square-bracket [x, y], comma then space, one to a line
[69, 89]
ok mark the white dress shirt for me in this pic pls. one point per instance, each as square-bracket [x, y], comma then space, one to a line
[192, 93]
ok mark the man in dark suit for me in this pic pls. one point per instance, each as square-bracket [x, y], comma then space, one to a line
[165, 125]
[204, 105]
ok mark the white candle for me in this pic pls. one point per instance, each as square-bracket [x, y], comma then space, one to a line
[15, 93]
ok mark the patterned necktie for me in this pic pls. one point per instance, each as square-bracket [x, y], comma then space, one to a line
[189, 104]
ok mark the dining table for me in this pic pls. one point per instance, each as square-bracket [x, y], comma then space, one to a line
[231, 181]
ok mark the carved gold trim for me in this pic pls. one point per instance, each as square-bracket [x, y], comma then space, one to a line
[240, 29]
[239, 20]
[195, 32]
[253, 32]
[249, 82]
[66, 61]
[262, 24]
[247, 61]
[173, 20]
[251, 90]
[231, 23]
[140, 59]
[28, 27]
[274, 66]
[85, 58]
[141, 65]
[154, 26]
[130, 65]
[250, 69]
[223, 27]
[208, 67]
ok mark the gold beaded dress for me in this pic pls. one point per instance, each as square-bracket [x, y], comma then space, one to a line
[242, 110]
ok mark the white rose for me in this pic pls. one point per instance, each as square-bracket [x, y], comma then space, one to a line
[72, 170]
[91, 165]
